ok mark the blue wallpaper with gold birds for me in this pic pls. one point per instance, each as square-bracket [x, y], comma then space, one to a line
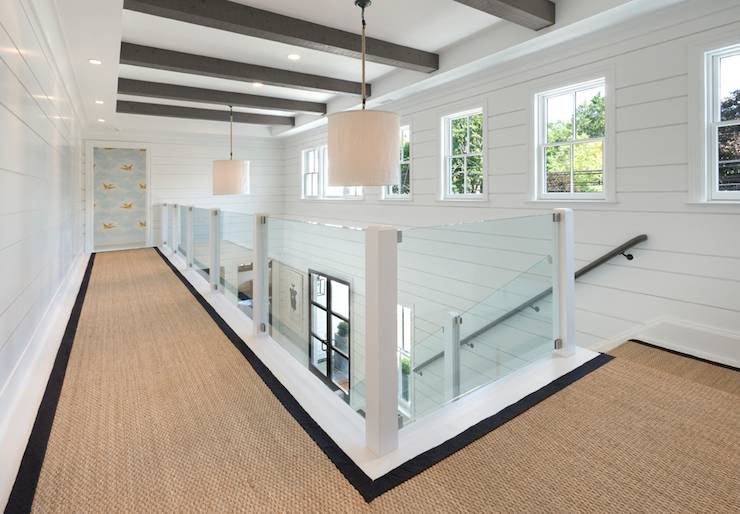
[120, 196]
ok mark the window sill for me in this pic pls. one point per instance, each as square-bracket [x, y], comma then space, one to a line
[573, 200]
[464, 199]
[715, 202]
[331, 200]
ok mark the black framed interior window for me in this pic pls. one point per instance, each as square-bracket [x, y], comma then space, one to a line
[329, 330]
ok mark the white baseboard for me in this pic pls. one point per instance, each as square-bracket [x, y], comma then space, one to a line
[21, 396]
[704, 341]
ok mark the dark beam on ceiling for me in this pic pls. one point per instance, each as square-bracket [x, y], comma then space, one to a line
[533, 14]
[149, 57]
[243, 19]
[176, 111]
[211, 96]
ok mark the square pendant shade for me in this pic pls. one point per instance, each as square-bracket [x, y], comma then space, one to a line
[364, 148]
[230, 177]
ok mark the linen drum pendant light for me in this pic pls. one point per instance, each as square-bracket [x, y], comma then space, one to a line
[364, 146]
[230, 177]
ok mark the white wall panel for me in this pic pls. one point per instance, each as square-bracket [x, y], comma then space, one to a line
[40, 211]
[688, 268]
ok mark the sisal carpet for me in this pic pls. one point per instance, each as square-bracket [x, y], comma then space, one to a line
[712, 375]
[159, 412]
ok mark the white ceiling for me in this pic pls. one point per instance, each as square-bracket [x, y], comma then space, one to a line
[186, 79]
[144, 29]
[466, 40]
[424, 24]
[95, 29]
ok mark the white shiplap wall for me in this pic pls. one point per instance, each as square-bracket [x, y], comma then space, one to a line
[40, 211]
[689, 269]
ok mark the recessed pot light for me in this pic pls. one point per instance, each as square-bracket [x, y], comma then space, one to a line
[95, 61]
[99, 102]
[101, 120]
[294, 57]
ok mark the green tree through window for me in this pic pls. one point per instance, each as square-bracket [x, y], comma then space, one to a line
[574, 146]
[403, 188]
[728, 140]
[464, 154]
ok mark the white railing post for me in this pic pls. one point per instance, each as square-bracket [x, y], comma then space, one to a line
[175, 227]
[163, 225]
[564, 284]
[452, 356]
[171, 220]
[381, 378]
[214, 244]
[189, 241]
[260, 284]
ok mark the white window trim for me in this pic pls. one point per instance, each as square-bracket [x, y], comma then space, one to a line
[705, 122]
[537, 189]
[701, 175]
[322, 178]
[445, 195]
[304, 196]
[385, 195]
[565, 81]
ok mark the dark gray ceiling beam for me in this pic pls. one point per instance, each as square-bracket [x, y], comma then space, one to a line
[149, 57]
[243, 19]
[533, 14]
[211, 96]
[176, 111]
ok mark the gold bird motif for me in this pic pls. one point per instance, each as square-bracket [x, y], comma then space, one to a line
[108, 187]
[142, 224]
[127, 205]
[127, 167]
[142, 186]
[108, 226]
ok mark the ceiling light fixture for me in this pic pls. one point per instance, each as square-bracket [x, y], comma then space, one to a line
[230, 177]
[257, 84]
[101, 120]
[99, 102]
[294, 57]
[364, 146]
[95, 61]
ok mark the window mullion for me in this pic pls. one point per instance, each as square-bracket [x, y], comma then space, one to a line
[572, 169]
[573, 116]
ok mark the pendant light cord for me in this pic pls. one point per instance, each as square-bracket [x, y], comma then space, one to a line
[364, 96]
[231, 133]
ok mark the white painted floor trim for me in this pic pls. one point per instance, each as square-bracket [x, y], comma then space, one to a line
[717, 345]
[22, 394]
[345, 426]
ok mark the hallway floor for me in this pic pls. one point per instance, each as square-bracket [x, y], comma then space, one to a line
[159, 412]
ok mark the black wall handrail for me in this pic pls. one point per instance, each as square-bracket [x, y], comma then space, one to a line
[619, 250]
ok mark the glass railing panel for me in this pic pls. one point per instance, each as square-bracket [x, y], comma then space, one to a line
[182, 242]
[479, 272]
[506, 331]
[201, 233]
[317, 300]
[236, 253]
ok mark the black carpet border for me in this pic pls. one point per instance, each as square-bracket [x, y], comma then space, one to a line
[24, 487]
[686, 355]
[370, 489]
